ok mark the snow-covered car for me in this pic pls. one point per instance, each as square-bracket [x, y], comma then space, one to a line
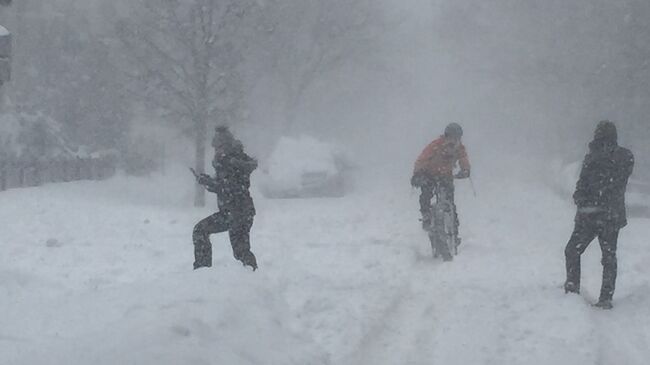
[637, 195]
[305, 167]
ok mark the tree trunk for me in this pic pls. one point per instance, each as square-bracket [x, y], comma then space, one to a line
[199, 160]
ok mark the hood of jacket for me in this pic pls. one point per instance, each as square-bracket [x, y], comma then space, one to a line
[605, 138]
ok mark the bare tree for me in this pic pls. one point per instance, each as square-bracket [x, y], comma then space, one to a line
[190, 54]
[61, 67]
[312, 38]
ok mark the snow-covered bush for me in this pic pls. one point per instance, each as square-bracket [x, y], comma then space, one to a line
[32, 136]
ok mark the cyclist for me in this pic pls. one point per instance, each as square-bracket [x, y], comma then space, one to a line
[434, 169]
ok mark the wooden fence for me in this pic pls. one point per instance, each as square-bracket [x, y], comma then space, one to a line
[19, 174]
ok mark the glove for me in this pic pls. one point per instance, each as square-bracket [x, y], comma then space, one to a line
[203, 179]
[462, 174]
[419, 179]
[578, 199]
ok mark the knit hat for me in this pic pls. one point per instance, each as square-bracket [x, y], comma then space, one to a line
[606, 130]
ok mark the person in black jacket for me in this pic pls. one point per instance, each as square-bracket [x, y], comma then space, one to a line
[236, 210]
[600, 198]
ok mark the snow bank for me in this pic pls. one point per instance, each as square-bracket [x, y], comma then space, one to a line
[221, 316]
[101, 273]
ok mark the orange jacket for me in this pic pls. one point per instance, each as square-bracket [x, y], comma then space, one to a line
[439, 158]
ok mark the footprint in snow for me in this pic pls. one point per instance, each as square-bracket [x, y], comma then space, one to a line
[181, 331]
[53, 242]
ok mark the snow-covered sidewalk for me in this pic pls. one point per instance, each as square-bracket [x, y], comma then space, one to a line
[101, 273]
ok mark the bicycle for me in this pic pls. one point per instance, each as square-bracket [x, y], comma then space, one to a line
[441, 230]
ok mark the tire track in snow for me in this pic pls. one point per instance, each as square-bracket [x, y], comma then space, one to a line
[499, 302]
[433, 321]
[377, 340]
[615, 328]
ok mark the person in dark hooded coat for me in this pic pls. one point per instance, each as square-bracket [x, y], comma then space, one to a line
[231, 183]
[600, 201]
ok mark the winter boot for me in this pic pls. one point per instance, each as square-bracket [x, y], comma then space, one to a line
[571, 287]
[248, 259]
[198, 265]
[604, 304]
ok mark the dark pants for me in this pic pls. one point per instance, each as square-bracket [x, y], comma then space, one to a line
[587, 227]
[431, 188]
[238, 227]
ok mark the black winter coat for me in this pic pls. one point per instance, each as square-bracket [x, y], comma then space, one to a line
[232, 181]
[603, 180]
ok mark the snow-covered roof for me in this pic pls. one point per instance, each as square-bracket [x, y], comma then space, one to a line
[3, 31]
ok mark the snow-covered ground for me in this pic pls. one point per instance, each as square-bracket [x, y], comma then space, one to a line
[101, 273]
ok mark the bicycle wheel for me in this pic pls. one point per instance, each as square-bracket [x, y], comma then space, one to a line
[449, 231]
[440, 235]
[432, 233]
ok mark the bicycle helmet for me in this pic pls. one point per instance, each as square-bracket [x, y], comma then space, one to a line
[454, 130]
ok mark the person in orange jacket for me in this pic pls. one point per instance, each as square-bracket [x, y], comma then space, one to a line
[434, 169]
